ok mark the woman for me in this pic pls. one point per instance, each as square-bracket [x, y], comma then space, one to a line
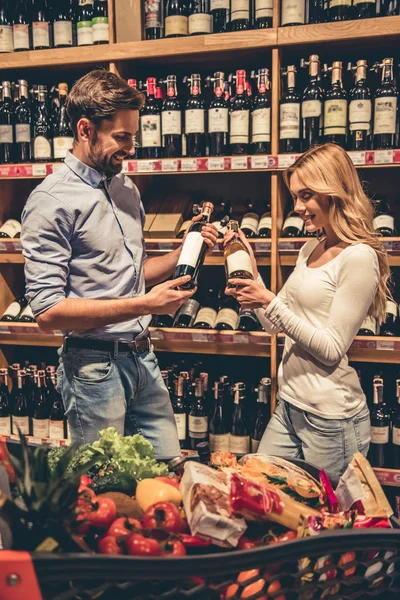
[339, 278]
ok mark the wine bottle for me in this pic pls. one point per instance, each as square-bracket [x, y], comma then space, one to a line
[176, 18]
[171, 121]
[360, 110]
[263, 13]
[200, 20]
[187, 313]
[206, 316]
[194, 249]
[380, 423]
[293, 12]
[289, 116]
[22, 124]
[218, 117]
[84, 26]
[6, 28]
[236, 256]
[239, 116]
[219, 10]
[248, 320]
[239, 441]
[389, 326]
[222, 217]
[26, 316]
[153, 19]
[261, 114]
[262, 416]
[42, 135]
[62, 24]
[58, 428]
[179, 408]
[316, 11]
[5, 418]
[339, 10]
[150, 123]
[196, 210]
[368, 327]
[41, 411]
[13, 311]
[195, 118]
[198, 418]
[20, 417]
[389, 8]
[219, 424]
[165, 320]
[311, 105]
[396, 429]
[10, 229]
[265, 224]
[250, 221]
[385, 109]
[40, 25]
[21, 23]
[292, 226]
[363, 9]
[335, 109]
[240, 17]
[63, 140]
[383, 221]
[228, 315]
[6, 124]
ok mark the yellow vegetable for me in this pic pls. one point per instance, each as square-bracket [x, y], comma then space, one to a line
[150, 491]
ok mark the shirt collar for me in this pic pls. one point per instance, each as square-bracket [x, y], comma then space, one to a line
[84, 172]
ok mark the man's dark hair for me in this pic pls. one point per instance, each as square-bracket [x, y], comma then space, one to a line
[98, 95]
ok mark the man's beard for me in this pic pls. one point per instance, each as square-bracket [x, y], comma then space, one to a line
[100, 162]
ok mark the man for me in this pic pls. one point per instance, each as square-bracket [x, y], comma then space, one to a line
[86, 271]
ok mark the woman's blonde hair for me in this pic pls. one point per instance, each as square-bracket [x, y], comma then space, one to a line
[327, 170]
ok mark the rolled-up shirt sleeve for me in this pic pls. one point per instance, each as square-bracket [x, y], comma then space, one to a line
[47, 227]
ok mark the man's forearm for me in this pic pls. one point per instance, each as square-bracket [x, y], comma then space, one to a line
[158, 269]
[79, 313]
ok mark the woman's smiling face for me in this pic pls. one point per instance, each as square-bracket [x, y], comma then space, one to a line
[312, 208]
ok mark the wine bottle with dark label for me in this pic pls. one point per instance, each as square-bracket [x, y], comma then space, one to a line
[6, 28]
[339, 10]
[293, 12]
[240, 16]
[22, 124]
[239, 116]
[58, 428]
[385, 109]
[21, 412]
[62, 25]
[335, 109]
[219, 424]
[150, 123]
[41, 409]
[21, 26]
[171, 121]
[218, 117]
[200, 20]
[219, 10]
[42, 130]
[228, 315]
[5, 418]
[176, 18]
[100, 26]
[389, 326]
[63, 140]
[261, 114]
[239, 441]
[248, 320]
[360, 110]
[363, 9]
[198, 417]
[292, 225]
[263, 13]
[6, 124]
[311, 105]
[396, 429]
[194, 249]
[153, 19]
[316, 11]
[262, 416]
[195, 122]
[40, 25]
[187, 313]
[378, 454]
[289, 115]
[179, 407]
[383, 221]
[236, 256]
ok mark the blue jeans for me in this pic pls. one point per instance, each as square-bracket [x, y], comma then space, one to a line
[126, 392]
[329, 444]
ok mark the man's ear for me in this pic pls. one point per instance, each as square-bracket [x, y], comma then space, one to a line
[84, 127]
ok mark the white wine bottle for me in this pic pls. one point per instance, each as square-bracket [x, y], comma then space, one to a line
[237, 258]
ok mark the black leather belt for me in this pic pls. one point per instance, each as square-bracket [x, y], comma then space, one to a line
[139, 345]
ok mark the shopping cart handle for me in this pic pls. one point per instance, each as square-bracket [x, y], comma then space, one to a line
[17, 576]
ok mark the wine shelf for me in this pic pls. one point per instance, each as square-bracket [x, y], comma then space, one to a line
[34, 441]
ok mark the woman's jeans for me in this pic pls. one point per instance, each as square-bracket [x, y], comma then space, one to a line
[328, 444]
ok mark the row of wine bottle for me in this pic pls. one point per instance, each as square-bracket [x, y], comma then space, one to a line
[384, 449]
[41, 24]
[34, 405]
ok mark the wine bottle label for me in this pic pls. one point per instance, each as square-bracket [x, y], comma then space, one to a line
[21, 36]
[40, 35]
[200, 23]
[333, 3]
[264, 8]
[191, 249]
[100, 28]
[171, 122]
[194, 120]
[379, 435]
[20, 422]
[206, 315]
[22, 133]
[239, 121]
[261, 125]
[184, 144]
[218, 120]
[294, 222]
[13, 310]
[385, 115]
[27, 312]
[219, 442]
[254, 445]
[240, 9]
[395, 435]
[40, 428]
[391, 308]
[62, 33]
[370, 324]
[335, 117]
[176, 25]
[238, 261]
[5, 426]
[293, 11]
[6, 134]
[84, 33]
[198, 426]
[289, 121]
[11, 228]
[250, 221]
[219, 5]
[56, 430]
[386, 221]
[152, 14]
[190, 308]
[150, 129]
[265, 223]
[311, 108]
[41, 147]
[239, 444]
[228, 316]
[180, 420]
[6, 39]
[360, 114]
[61, 145]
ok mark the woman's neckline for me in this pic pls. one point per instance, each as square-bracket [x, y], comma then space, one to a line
[325, 264]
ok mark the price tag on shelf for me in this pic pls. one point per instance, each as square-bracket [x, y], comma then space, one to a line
[169, 165]
[262, 246]
[259, 162]
[125, 166]
[357, 158]
[57, 166]
[4, 247]
[286, 160]
[241, 338]
[189, 164]
[165, 246]
[216, 163]
[383, 157]
[385, 345]
[239, 162]
[145, 166]
[199, 337]
[157, 334]
[39, 170]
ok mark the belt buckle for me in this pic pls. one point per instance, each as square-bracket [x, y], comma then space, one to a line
[136, 345]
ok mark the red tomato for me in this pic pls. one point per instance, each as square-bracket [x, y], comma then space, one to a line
[348, 557]
[246, 543]
[138, 545]
[192, 541]
[164, 515]
[288, 536]
[103, 513]
[84, 482]
[123, 526]
[174, 548]
[171, 480]
[108, 545]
